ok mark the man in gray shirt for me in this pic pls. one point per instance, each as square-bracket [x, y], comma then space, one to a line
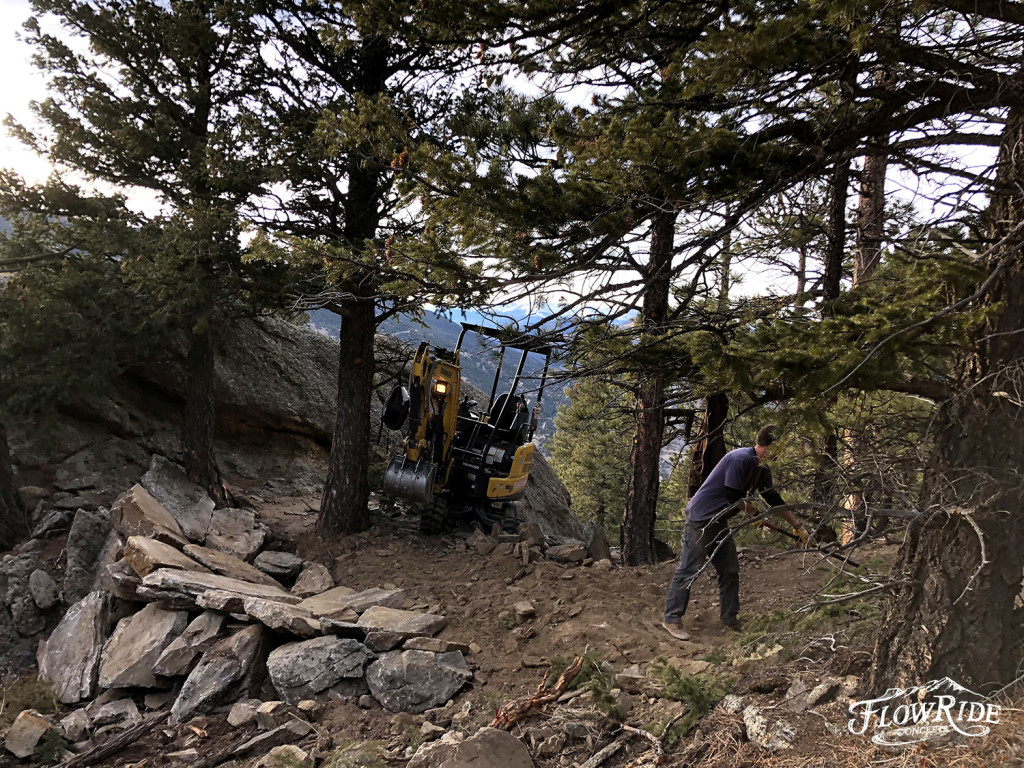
[737, 475]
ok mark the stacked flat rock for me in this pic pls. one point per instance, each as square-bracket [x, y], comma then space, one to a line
[213, 626]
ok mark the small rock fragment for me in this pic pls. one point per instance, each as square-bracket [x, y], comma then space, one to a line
[243, 713]
[43, 589]
[773, 736]
[75, 726]
[285, 756]
[314, 579]
[25, 733]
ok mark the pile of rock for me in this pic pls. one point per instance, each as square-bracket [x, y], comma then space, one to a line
[190, 616]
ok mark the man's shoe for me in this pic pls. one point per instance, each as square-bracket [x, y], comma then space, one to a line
[676, 630]
[733, 624]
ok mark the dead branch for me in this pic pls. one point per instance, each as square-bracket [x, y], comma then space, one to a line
[984, 556]
[512, 712]
[112, 746]
[605, 754]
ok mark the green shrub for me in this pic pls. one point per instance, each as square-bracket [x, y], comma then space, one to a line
[699, 692]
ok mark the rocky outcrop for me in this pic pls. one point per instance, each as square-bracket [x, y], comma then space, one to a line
[15, 582]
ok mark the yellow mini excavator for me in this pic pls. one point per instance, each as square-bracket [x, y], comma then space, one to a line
[457, 459]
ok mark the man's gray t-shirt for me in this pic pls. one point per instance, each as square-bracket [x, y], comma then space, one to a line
[738, 470]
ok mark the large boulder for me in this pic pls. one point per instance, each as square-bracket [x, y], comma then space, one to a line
[87, 542]
[70, 658]
[547, 503]
[137, 643]
[228, 671]
[487, 748]
[415, 681]
[187, 503]
[307, 669]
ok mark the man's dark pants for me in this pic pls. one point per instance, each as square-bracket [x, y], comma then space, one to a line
[701, 541]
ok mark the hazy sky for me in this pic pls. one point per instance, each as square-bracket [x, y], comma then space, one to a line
[21, 83]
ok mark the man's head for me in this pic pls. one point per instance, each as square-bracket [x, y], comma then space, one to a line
[765, 437]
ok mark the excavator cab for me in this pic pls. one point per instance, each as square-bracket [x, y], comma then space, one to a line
[457, 458]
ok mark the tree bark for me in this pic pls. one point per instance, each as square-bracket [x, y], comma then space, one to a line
[832, 281]
[645, 457]
[199, 425]
[12, 514]
[343, 508]
[710, 446]
[960, 615]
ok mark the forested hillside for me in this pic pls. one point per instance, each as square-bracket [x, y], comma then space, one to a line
[723, 216]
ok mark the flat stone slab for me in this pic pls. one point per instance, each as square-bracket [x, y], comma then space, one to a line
[70, 659]
[409, 623]
[146, 555]
[282, 617]
[305, 669]
[228, 565]
[136, 645]
[435, 645]
[137, 513]
[329, 603]
[375, 598]
[282, 565]
[195, 584]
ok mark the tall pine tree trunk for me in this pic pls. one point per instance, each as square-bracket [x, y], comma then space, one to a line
[343, 508]
[198, 429]
[12, 515]
[870, 232]
[960, 614]
[645, 457]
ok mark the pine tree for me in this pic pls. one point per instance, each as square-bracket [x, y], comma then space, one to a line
[364, 96]
[590, 450]
[164, 97]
